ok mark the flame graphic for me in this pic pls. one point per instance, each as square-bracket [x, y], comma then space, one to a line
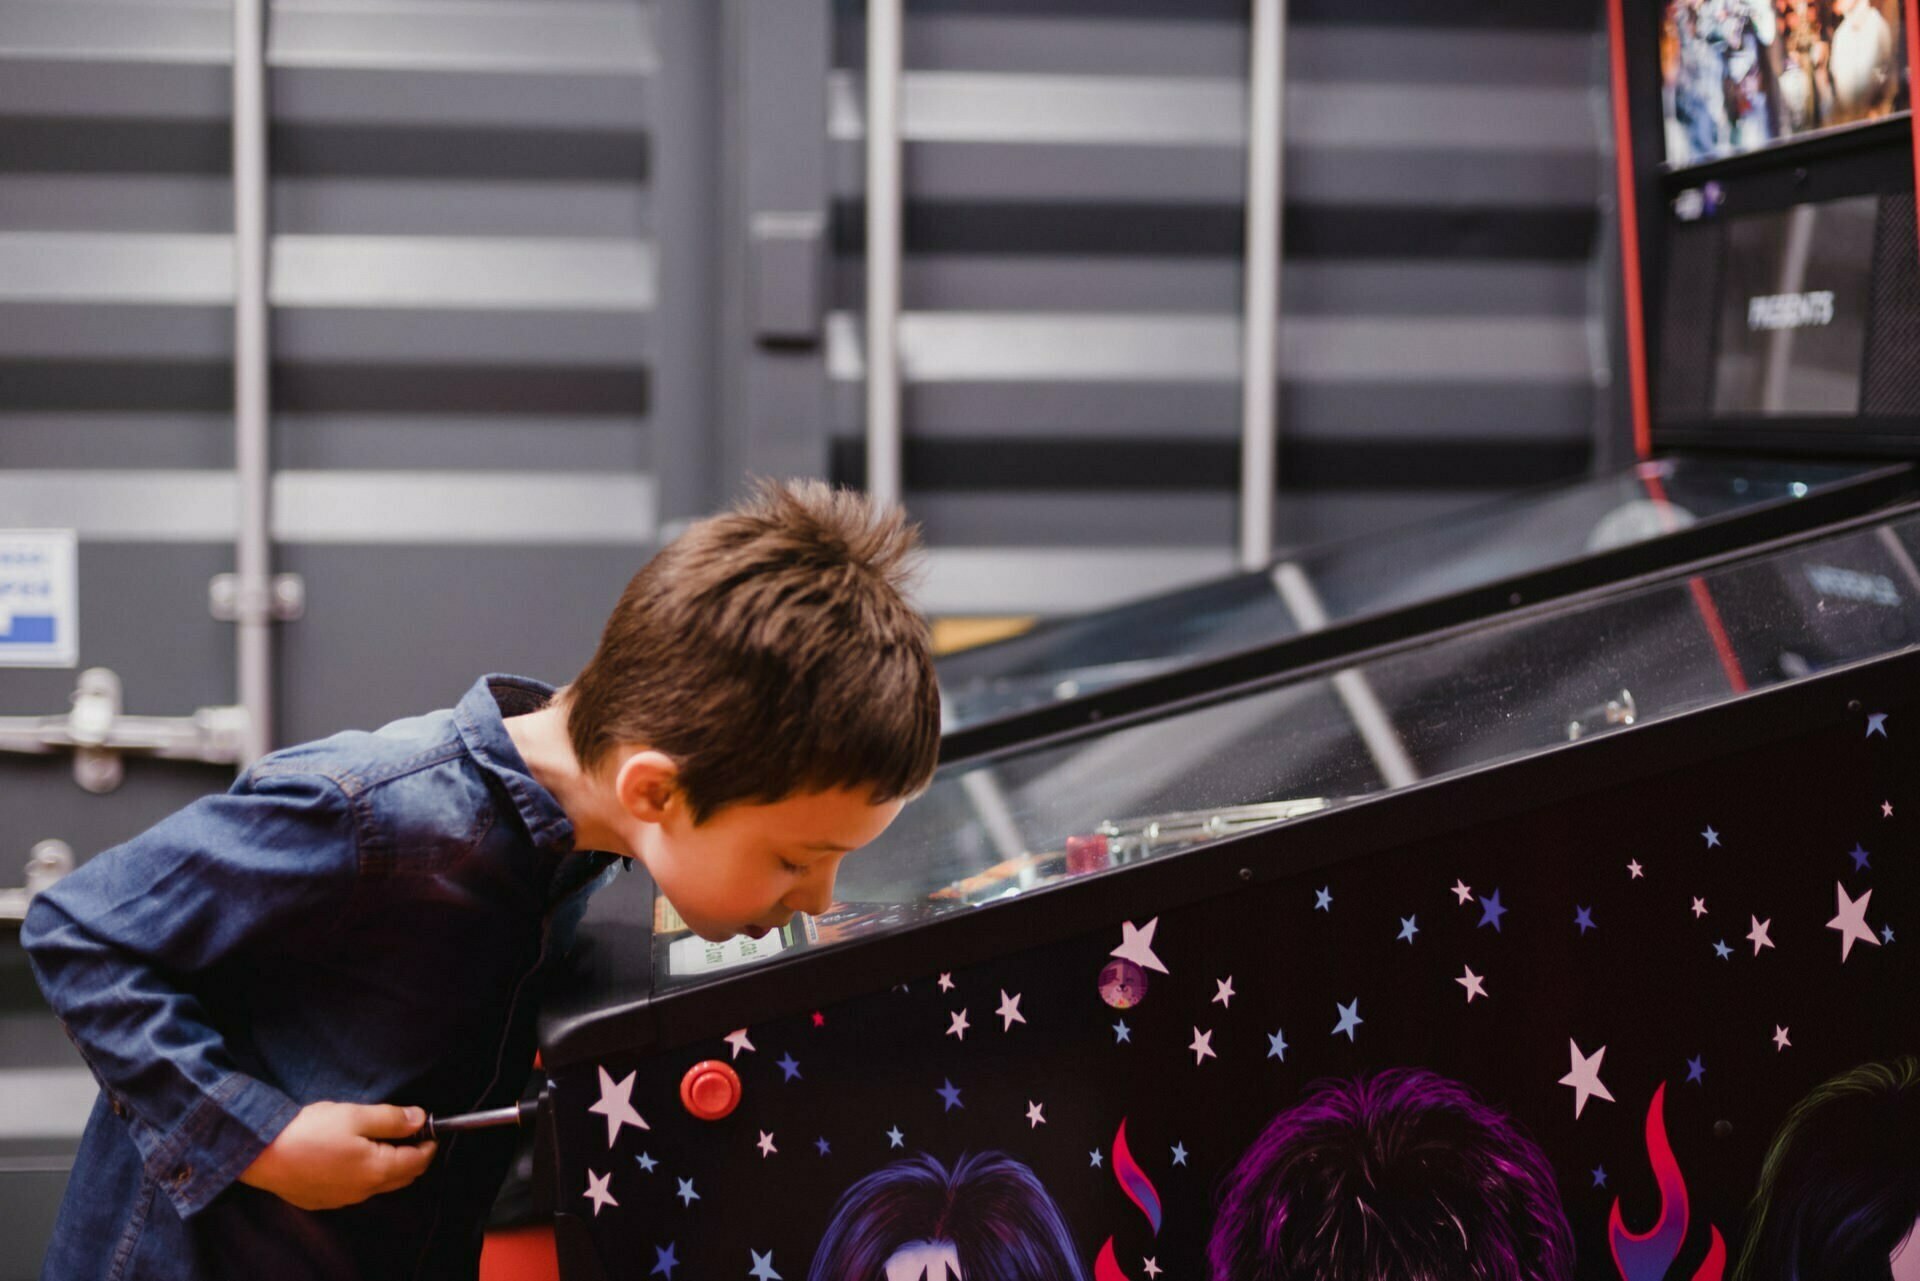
[1646, 1256]
[1134, 1181]
[1106, 1267]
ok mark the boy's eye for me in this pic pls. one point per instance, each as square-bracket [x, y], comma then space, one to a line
[795, 868]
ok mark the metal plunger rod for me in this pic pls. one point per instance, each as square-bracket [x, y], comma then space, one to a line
[518, 1114]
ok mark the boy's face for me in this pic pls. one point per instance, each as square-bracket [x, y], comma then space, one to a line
[750, 867]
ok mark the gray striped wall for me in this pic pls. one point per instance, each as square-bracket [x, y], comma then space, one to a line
[1071, 289]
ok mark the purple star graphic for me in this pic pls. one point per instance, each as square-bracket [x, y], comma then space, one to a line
[1583, 917]
[789, 1067]
[1696, 1070]
[1859, 857]
[824, 1146]
[664, 1263]
[1491, 911]
[951, 1094]
[1599, 1176]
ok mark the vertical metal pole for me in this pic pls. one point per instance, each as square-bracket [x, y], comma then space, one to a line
[253, 550]
[1259, 358]
[883, 248]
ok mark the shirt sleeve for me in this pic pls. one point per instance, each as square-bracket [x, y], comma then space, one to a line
[117, 945]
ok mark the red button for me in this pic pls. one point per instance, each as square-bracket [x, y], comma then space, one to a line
[710, 1089]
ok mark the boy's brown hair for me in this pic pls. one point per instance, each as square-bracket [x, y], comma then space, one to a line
[770, 651]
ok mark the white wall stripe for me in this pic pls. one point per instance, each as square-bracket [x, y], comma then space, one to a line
[448, 272]
[45, 1103]
[1138, 111]
[1145, 347]
[340, 506]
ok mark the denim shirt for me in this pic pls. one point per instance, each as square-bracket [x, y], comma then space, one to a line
[363, 919]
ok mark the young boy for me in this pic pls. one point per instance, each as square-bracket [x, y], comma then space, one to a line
[275, 985]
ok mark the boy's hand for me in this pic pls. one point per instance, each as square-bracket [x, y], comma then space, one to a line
[331, 1155]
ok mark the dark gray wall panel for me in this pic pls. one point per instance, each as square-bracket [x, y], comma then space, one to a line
[77, 202]
[534, 338]
[465, 442]
[474, 99]
[1016, 522]
[933, 282]
[49, 805]
[423, 206]
[395, 630]
[1387, 411]
[57, 440]
[33, 1197]
[126, 333]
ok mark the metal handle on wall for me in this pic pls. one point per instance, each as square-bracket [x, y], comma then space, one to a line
[883, 248]
[1259, 362]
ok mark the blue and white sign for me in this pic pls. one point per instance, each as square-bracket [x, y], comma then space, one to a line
[39, 598]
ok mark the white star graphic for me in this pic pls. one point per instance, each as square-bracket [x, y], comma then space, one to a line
[739, 1042]
[1009, 1011]
[616, 1104]
[1202, 1047]
[1277, 1046]
[1034, 1119]
[959, 1028]
[1780, 1040]
[1758, 934]
[1711, 837]
[1699, 908]
[895, 1139]
[762, 1269]
[1136, 945]
[946, 982]
[766, 1145]
[1850, 918]
[597, 1191]
[1223, 992]
[1471, 982]
[1584, 1077]
[1349, 1018]
[1462, 891]
[1151, 1268]
[1633, 869]
[686, 1193]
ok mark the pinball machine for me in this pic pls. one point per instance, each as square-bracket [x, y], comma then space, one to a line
[1536, 909]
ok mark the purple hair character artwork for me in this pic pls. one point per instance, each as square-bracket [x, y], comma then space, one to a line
[1404, 1175]
[986, 1219]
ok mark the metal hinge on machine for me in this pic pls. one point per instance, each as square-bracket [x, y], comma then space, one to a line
[50, 861]
[98, 733]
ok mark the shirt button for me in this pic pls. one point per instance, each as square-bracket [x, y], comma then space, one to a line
[119, 1108]
[181, 1175]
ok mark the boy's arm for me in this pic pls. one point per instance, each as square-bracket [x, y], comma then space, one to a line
[116, 944]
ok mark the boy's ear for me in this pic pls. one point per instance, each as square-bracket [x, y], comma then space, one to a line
[647, 783]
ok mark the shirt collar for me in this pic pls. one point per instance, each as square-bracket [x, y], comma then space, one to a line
[481, 717]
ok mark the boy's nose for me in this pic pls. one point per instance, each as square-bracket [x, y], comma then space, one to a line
[814, 894]
[812, 898]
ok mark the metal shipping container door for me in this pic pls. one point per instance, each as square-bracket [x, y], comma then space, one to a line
[1070, 286]
[458, 263]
